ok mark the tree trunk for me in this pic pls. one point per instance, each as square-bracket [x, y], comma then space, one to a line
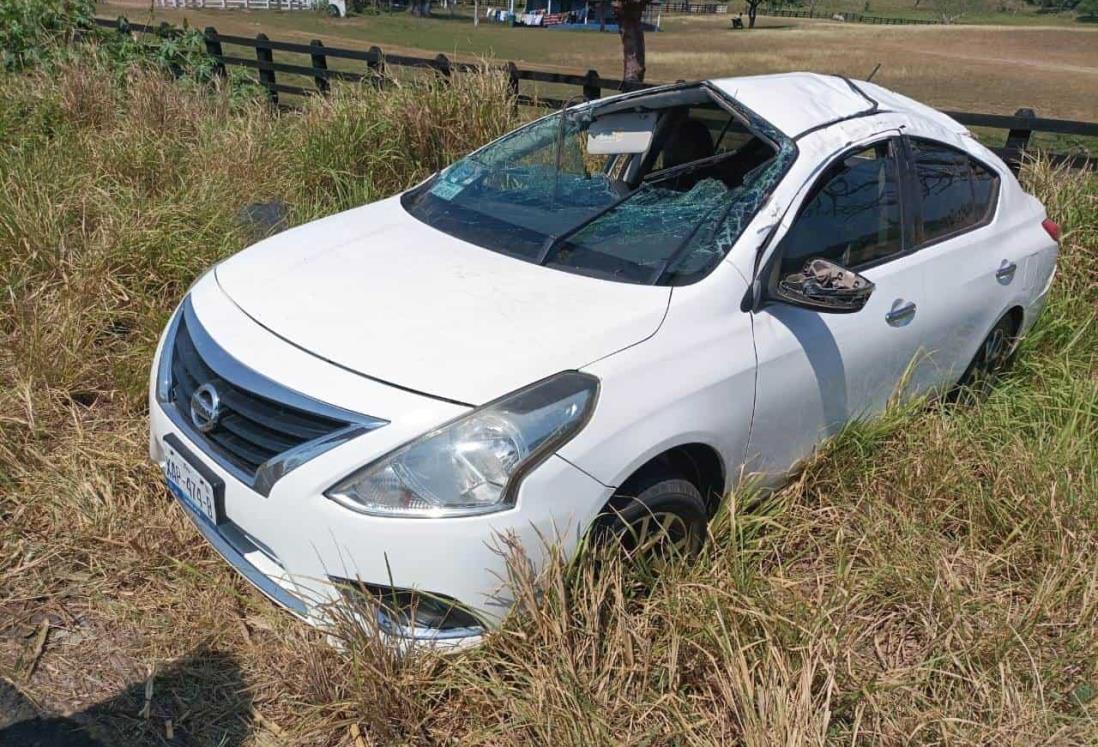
[602, 15]
[752, 11]
[632, 39]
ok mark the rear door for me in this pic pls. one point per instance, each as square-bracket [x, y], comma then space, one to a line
[817, 371]
[977, 269]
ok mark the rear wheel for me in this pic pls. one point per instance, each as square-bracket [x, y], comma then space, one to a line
[990, 360]
[656, 518]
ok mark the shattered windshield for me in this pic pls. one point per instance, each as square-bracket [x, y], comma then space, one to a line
[664, 216]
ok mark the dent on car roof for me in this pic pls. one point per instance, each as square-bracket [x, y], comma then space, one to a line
[796, 102]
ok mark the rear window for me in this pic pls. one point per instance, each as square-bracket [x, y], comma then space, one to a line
[957, 193]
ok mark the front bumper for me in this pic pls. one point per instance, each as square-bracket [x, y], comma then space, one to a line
[290, 542]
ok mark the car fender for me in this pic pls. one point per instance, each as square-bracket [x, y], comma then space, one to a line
[691, 382]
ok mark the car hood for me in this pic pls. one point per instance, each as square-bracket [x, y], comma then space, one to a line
[378, 292]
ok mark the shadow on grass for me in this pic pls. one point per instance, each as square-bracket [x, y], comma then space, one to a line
[200, 699]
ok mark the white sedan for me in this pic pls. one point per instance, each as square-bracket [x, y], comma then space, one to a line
[605, 319]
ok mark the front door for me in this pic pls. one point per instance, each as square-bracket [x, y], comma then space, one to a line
[817, 371]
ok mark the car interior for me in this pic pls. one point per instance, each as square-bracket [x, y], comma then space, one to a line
[695, 138]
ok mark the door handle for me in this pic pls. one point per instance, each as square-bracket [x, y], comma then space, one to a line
[900, 315]
[1006, 272]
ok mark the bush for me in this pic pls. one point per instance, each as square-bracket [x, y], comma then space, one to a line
[48, 33]
[31, 30]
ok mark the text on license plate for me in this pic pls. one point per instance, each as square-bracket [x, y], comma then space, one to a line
[188, 484]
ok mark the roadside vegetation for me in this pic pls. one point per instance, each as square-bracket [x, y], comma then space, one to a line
[932, 577]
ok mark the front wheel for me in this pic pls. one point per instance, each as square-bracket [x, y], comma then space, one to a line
[657, 519]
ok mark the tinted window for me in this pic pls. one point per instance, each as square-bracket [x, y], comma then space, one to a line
[853, 216]
[956, 191]
[985, 184]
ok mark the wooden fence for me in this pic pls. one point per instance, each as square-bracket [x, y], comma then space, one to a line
[848, 17]
[374, 63]
[241, 4]
[688, 7]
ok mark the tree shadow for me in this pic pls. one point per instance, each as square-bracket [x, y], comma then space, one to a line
[202, 696]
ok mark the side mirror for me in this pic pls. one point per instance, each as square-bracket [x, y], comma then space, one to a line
[825, 286]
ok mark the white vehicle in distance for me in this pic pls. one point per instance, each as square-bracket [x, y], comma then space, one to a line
[608, 316]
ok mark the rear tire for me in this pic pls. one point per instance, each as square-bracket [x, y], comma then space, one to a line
[656, 516]
[991, 359]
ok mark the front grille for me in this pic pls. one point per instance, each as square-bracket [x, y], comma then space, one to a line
[251, 429]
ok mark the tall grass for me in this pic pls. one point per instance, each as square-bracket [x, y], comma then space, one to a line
[932, 577]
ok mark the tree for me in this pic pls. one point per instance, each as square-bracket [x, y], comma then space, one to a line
[420, 8]
[630, 13]
[950, 10]
[1087, 9]
[753, 10]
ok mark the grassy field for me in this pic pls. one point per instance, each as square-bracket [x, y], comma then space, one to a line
[992, 12]
[1053, 70]
[930, 578]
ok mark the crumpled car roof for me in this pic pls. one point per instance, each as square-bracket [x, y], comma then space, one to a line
[798, 102]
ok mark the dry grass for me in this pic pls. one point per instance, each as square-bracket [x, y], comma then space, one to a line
[931, 578]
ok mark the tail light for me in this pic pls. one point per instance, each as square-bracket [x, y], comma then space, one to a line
[1052, 228]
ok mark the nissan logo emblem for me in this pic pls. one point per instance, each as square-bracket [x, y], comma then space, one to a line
[205, 408]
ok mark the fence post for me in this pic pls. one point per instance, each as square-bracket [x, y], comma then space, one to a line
[375, 64]
[264, 55]
[213, 49]
[591, 89]
[512, 83]
[442, 64]
[320, 63]
[1018, 140]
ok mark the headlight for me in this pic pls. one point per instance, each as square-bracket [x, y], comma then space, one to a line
[473, 465]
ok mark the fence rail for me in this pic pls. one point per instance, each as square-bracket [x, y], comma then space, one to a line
[699, 8]
[242, 4]
[1020, 126]
[849, 17]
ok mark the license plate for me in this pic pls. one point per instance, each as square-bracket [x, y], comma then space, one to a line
[191, 481]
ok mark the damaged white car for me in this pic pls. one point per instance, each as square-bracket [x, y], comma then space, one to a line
[617, 311]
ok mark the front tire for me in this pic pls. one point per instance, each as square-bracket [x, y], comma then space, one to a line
[656, 517]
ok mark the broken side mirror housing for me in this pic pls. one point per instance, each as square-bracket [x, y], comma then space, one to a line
[824, 286]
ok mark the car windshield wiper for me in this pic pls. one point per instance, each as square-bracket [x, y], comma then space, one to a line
[553, 241]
